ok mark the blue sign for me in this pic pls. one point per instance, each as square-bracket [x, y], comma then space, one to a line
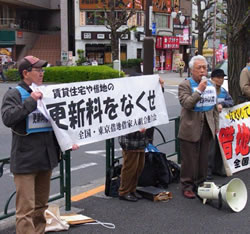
[153, 28]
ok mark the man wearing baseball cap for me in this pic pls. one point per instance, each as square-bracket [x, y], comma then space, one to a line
[34, 152]
[224, 100]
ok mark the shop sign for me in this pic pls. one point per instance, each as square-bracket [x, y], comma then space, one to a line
[170, 42]
[124, 37]
[153, 28]
[158, 44]
[100, 36]
[19, 34]
[163, 6]
[86, 35]
[64, 56]
[185, 42]
[142, 36]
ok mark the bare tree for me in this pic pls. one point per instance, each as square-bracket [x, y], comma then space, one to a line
[203, 21]
[238, 34]
[117, 13]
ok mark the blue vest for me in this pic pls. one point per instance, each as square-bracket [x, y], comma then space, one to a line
[248, 67]
[208, 97]
[221, 97]
[35, 122]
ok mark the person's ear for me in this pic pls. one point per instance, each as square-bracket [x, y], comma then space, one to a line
[25, 72]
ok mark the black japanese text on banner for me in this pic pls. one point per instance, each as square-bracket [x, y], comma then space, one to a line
[234, 136]
[87, 112]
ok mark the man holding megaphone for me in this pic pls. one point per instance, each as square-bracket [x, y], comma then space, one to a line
[199, 123]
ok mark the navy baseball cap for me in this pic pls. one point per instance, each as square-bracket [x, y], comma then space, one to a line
[217, 73]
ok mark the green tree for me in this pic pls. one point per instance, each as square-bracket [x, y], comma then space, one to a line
[238, 34]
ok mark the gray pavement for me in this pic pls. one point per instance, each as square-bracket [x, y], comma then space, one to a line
[179, 215]
[173, 78]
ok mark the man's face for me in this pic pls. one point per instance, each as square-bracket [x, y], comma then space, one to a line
[218, 80]
[34, 75]
[199, 70]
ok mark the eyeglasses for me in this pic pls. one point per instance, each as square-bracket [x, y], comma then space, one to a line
[39, 70]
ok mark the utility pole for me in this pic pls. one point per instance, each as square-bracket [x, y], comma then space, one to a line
[148, 43]
[148, 57]
[214, 39]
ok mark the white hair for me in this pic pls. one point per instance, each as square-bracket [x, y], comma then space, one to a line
[193, 59]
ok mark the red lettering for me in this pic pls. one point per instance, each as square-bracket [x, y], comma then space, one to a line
[242, 140]
[226, 136]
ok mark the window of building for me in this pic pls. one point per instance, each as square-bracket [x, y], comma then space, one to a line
[162, 21]
[94, 18]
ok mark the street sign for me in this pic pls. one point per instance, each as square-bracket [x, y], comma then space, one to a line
[153, 28]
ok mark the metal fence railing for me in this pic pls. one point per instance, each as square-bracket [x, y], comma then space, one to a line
[65, 185]
[111, 159]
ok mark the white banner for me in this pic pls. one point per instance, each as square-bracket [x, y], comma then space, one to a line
[87, 112]
[234, 136]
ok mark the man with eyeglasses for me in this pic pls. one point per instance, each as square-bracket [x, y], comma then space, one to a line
[35, 151]
[198, 125]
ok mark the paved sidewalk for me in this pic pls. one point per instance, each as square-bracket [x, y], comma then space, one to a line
[173, 78]
[179, 215]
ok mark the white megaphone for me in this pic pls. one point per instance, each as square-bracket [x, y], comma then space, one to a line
[234, 193]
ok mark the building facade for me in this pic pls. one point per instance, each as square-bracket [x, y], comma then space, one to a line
[80, 26]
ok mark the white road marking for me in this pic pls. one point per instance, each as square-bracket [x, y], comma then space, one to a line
[82, 166]
[56, 173]
[100, 152]
[172, 91]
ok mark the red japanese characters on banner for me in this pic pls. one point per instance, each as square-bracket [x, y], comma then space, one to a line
[158, 44]
[226, 137]
[170, 42]
[234, 136]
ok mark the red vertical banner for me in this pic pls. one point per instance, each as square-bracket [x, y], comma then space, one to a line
[168, 60]
[158, 44]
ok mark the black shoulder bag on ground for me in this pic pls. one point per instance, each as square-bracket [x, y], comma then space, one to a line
[158, 171]
[112, 182]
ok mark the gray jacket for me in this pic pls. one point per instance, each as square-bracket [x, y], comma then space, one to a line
[33, 152]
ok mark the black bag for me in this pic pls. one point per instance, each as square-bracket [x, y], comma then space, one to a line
[112, 182]
[174, 171]
[156, 171]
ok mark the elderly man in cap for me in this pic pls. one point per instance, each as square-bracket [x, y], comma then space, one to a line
[224, 100]
[35, 151]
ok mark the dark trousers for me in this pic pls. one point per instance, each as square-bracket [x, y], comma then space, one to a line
[215, 163]
[3, 76]
[133, 164]
[194, 160]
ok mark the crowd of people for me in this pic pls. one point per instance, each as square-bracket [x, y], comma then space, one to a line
[35, 154]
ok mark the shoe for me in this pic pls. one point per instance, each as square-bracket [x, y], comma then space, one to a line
[189, 194]
[137, 195]
[128, 197]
